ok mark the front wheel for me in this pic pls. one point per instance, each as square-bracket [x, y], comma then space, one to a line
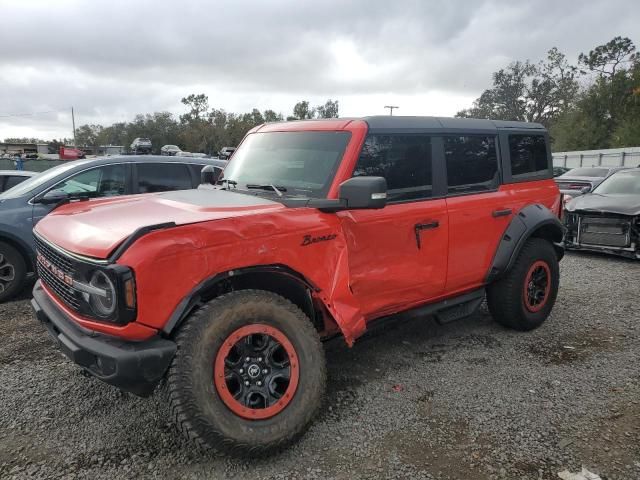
[249, 374]
[13, 272]
[524, 297]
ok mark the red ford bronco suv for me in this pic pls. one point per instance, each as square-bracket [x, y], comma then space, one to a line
[315, 229]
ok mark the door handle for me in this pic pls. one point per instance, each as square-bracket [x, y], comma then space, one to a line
[418, 227]
[501, 213]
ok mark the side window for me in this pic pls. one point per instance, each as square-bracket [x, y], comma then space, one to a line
[405, 162]
[162, 177]
[528, 154]
[472, 163]
[105, 181]
[13, 180]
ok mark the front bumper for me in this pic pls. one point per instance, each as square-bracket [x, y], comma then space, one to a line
[631, 253]
[135, 367]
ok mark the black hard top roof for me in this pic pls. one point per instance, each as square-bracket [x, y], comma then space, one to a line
[388, 122]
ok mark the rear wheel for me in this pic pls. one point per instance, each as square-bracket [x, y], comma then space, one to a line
[524, 297]
[249, 374]
[13, 272]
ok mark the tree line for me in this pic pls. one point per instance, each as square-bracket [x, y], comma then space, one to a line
[592, 105]
[201, 129]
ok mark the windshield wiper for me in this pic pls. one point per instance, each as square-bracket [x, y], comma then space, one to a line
[269, 186]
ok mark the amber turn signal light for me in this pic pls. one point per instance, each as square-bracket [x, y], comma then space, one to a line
[130, 293]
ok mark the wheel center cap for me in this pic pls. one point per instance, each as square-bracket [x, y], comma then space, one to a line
[253, 370]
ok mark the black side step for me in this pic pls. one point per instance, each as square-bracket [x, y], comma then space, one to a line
[445, 311]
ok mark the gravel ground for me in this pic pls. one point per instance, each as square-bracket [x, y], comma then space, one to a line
[468, 400]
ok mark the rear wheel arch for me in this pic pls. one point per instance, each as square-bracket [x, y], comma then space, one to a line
[278, 279]
[533, 221]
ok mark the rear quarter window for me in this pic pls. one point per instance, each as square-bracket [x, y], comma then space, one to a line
[12, 181]
[528, 155]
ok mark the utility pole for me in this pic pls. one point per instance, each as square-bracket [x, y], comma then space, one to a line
[391, 107]
[73, 121]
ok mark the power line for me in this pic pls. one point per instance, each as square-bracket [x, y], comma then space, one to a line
[8, 115]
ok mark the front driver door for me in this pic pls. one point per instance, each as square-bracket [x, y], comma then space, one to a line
[102, 181]
[397, 255]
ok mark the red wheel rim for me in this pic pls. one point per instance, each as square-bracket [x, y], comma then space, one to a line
[537, 285]
[256, 372]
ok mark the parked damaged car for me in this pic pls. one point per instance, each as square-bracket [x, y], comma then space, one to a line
[607, 219]
[578, 181]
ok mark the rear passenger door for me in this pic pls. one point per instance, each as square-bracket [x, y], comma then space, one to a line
[161, 177]
[398, 254]
[478, 211]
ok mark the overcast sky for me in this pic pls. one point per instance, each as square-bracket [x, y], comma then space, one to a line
[113, 59]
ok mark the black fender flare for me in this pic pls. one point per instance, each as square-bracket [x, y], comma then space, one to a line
[532, 220]
[194, 298]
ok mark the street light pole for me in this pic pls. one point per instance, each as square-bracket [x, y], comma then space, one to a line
[391, 107]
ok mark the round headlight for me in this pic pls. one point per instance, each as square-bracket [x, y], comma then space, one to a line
[102, 305]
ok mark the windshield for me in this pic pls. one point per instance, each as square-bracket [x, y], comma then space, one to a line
[40, 179]
[301, 163]
[587, 172]
[621, 183]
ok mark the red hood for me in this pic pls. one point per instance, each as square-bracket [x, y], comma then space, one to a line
[95, 228]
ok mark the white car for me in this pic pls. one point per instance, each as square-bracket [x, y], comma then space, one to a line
[170, 150]
[226, 153]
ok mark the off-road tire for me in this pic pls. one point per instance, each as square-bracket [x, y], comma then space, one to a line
[195, 405]
[506, 297]
[11, 258]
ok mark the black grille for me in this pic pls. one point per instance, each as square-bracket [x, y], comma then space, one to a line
[603, 231]
[59, 263]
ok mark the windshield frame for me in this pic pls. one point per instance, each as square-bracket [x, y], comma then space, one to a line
[291, 191]
[607, 181]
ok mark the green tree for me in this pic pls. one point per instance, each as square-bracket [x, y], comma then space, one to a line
[329, 110]
[271, 116]
[607, 59]
[198, 107]
[607, 111]
[23, 140]
[524, 91]
[88, 135]
[301, 111]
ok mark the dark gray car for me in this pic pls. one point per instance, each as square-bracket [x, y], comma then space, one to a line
[22, 206]
[608, 219]
[583, 179]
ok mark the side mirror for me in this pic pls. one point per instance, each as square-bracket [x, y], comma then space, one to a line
[364, 192]
[209, 175]
[53, 197]
[584, 190]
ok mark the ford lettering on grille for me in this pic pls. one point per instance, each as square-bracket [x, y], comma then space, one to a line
[55, 271]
